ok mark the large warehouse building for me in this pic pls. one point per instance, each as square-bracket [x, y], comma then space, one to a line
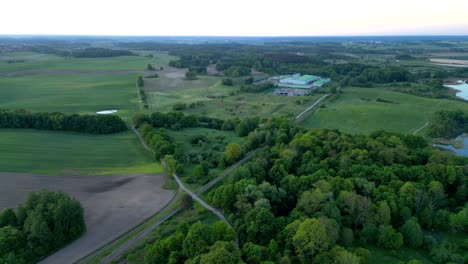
[304, 81]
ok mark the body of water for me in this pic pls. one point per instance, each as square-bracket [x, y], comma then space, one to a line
[462, 88]
[459, 151]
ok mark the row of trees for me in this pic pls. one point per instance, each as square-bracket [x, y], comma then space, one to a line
[100, 53]
[44, 223]
[93, 124]
[315, 196]
[140, 83]
[179, 120]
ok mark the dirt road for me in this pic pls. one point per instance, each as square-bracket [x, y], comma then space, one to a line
[312, 106]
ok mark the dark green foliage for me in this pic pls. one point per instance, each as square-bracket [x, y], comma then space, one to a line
[170, 119]
[158, 140]
[100, 53]
[179, 106]
[8, 217]
[45, 222]
[412, 233]
[149, 67]
[449, 124]
[227, 82]
[140, 82]
[362, 189]
[389, 238]
[221, 253]
[249, 81]
[191, 75]
[93, 124]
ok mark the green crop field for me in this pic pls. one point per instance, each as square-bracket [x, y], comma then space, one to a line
[49, 152]
[79, 93]
[357, 111]
[55, 87]
[35, 61]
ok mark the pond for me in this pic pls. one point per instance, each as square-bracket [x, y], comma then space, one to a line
[462, 87]
[459, 151]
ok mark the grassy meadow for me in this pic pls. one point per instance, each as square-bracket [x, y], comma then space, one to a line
[49, 152]
[357, 110]
[221, 101]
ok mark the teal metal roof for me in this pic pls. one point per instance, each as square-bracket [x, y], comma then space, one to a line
[306, 78]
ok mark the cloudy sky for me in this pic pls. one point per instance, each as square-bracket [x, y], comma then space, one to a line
[234, 17]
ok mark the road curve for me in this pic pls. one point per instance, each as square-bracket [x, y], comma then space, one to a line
[207, 186]
[421, 128]
[204, 204]
[312, 106]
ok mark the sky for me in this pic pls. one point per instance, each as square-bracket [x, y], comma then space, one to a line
[234, 17]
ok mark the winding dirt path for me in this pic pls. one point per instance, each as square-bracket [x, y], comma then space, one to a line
[421, 128]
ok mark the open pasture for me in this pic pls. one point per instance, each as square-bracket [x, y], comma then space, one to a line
[48, 152]
[364, 110]
[35, 61]
[217, 100]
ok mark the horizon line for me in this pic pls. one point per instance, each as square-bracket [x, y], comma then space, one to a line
[243, 36]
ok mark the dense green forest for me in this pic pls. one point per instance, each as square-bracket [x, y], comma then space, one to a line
[100, 53]
[93, 124]
[449, 124]
[322, 196]
[46, 222]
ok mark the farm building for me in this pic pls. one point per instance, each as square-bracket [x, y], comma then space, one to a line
[297, 79]
[302, 82]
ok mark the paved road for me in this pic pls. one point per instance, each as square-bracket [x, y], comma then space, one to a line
[143, 143]
[312, 106]
[204, 204]
[225, 173]
[131, 242]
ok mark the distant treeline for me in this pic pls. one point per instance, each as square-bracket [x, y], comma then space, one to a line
[257, 88]
[93, 124]
[449, 124]
[46, 222]
[100, 53]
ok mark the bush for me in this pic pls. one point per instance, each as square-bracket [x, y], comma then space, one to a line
[45, 222]
[227, 82]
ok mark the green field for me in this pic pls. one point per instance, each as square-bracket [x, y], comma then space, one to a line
[79, 93]
[357, 111]
[49, 152]
[36, 61]
[58, 88]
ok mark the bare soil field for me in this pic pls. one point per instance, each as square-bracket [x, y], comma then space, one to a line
[112, 204]
[450, 61]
